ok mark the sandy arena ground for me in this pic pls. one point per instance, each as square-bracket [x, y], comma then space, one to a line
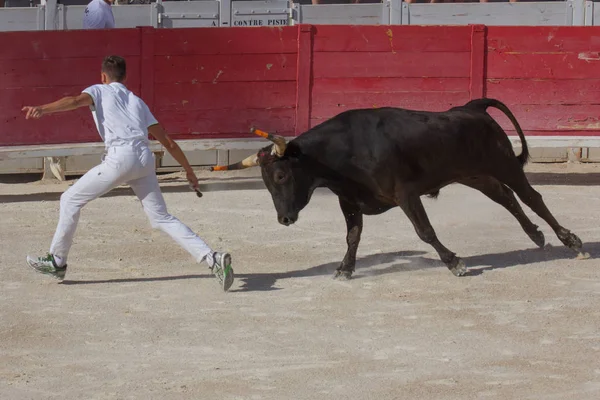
[136, 319]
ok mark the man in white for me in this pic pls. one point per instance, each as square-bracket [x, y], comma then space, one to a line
[123, 121]
[98, 15]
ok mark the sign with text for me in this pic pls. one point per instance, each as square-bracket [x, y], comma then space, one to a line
[260, 13]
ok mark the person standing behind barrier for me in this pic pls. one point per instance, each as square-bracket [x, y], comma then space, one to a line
[124, 122]
[98, 15]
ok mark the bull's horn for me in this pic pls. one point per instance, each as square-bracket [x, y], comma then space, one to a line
[250, 161]
[279, 141]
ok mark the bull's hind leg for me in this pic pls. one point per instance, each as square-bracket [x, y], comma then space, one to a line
[506, 198]
[354, 224]
[414, 210]
[517, 181]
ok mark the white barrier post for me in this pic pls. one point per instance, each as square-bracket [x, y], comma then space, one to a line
[224, 12]
[155, 13]
[405, 13]
[395, 12]
[579, 12]
[51, 19]
[385, 13]
[589, 13]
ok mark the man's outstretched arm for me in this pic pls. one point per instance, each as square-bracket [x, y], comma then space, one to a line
[173, 148]
[64, 104]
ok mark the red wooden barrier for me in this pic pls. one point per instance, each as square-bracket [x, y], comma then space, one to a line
[548, 76]
[38, 67]
[217, 83]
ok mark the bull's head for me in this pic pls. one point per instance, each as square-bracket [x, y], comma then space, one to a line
[290, 186]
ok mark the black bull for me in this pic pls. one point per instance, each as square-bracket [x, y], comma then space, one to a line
[377, 159]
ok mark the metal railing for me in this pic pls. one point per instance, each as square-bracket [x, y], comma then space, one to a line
[227, 13]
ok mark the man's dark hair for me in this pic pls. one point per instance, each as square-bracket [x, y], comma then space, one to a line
[115, 67]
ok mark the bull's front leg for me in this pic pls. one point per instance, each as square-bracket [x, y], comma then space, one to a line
[413, 208]
[354, 224]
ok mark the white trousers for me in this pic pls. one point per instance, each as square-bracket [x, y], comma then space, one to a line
[134, 165]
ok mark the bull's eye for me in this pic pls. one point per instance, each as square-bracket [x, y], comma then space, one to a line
[279, 177]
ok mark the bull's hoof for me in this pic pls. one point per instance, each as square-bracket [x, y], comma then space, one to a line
[538, 238]
[583, 256]
[342, 275]
[457, 267]
[571, 240]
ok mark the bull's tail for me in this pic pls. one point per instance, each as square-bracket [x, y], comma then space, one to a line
[483, 104]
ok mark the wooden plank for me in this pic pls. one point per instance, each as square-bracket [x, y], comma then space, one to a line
[543, 39]
[74, 127]
[341, 14]
[543, 65]
[478, 43]
[389, 85]
[226, 135]
[328, 105]
[227, 123]
[560, 141]
[225, 96]
[58, 150]
[391, 38]
[225, 68]
[20, 19]
[82, 43]
[387, 65]
[267, 40]
[538, 135]
[198, 14]
[538, 13]
[551, 117]
[17, 152]
[132, 16]
[81, 149]
[13, 100]
[304, 78]
[251, 143]
[546, 91]
[67, 72]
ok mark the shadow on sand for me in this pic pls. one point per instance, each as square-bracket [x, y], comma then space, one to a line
[401, 261]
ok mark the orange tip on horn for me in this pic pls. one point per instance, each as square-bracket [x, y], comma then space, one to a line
[260, 133]
[219, 168]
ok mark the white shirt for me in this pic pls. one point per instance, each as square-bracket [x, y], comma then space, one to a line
[121, 117]
[98, 15]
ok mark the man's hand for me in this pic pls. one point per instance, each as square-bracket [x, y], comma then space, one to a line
[34, 112]
[64, 104]
[192, 179]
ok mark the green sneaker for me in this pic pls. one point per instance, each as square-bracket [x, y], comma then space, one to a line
[222, 269]
[47, 265]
